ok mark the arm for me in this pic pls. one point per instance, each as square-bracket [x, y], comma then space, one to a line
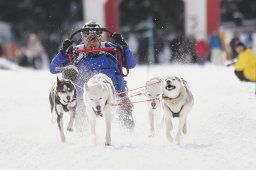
[130, 59]
[131, 62]
[241, 62]
[60, 60]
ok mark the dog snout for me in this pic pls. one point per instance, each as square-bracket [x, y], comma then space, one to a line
[68, 98]
[98, 107]
[168, 82]
[153, 104]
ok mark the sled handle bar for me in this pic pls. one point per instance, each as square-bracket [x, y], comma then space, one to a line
[91, 29]
[94, 29]
[95, 50]
[111, 33]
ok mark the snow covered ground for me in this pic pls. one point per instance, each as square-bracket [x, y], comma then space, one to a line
[221, 127]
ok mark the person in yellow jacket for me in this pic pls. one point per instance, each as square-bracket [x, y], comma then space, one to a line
[245, 67]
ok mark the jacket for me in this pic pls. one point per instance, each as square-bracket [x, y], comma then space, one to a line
[89, 64]
[247, 63]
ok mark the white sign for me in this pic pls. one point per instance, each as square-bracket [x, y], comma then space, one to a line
[196, 18]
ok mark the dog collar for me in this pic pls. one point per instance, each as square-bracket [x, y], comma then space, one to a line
[168, 98]
[65, 103]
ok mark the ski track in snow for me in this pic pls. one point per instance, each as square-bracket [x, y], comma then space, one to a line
[221, 126]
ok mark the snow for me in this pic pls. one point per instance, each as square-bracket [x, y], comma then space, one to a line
[221, 126]
[8, 65]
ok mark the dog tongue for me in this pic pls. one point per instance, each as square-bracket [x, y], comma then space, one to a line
[98, 113]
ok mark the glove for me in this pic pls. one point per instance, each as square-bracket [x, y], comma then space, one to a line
[119, 39]
[67, 43]
[70, 72]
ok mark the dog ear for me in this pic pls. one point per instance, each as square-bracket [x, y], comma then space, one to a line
[58, 80]
[184, 82]
[86, 87]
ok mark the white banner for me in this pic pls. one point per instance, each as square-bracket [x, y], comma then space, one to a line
[94, 10]
[196, 18]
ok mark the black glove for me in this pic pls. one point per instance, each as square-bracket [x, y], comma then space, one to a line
[119, 39]
[67, 43]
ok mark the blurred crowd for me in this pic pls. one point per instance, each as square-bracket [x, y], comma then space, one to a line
[174, 48]
[217, 48]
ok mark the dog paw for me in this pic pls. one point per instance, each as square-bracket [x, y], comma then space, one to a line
[70, 129]
[151, 134]
[107, 144]
[63, 139]
[177, 141]
[169, 138]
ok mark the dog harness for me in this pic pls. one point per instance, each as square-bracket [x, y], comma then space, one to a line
[65, 106]
[176, 114]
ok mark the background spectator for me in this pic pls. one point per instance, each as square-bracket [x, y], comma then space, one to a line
[201, 51]
[235, 39]
[245, 67]
[217, 54]
[36, 53]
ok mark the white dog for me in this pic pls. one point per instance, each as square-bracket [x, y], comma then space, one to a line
[178, 101]
[99, 98]
[153, 92]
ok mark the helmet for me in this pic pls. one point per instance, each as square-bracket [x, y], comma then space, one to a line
[91, 24]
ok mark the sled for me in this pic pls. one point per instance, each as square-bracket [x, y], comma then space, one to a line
[119, 58]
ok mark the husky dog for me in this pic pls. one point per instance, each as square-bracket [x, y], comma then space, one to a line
[99, 98]
[178, 101]
[63, 99]
[153, 92]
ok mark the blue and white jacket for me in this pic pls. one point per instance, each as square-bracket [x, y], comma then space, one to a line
[89, 64]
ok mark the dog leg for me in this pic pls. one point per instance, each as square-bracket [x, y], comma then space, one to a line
[54, 117]
[108, 128]
[71, 121]
[181, 126]
[92, 120]
[151, 123]
[168, 124]
[157, 123]
[60, 125]
[184, 130]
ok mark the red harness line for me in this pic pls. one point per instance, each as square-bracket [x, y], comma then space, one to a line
[138, 88]
[95, 50]
[133, 95]
[136, 94]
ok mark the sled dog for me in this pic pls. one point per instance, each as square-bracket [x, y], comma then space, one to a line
[99, 98]
[178, 101]
[63, 99]
[153, 92]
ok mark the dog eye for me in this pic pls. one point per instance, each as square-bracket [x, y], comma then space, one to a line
[157, 94]
[92, 100]
[149, 94]
[100, 98]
